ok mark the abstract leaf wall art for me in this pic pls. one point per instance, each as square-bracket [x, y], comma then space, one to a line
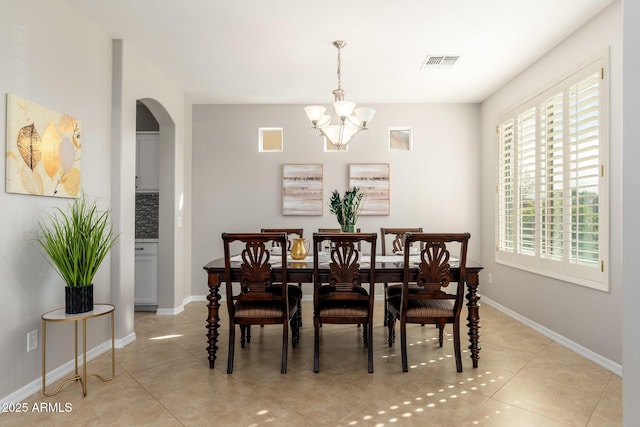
[43, 150]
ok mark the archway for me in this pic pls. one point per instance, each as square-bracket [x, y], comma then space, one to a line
[166, 206]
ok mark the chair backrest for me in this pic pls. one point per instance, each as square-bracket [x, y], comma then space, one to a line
[338, 230]
[256, 278]
[434, 267]
[397, 245]
[343, 280]
[288, 231]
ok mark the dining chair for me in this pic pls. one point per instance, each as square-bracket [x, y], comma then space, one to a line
[340, 297]
[261, 300]
[337, 230]
[396, 235]
[289, 231]
[433, 302]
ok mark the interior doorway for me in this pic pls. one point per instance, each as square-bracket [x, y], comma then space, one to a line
[147, 210]
[156, 196]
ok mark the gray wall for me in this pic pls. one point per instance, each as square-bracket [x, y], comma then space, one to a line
[631, 207]
[435, 186]
[101, 91]
[81, 88]
[588, 317]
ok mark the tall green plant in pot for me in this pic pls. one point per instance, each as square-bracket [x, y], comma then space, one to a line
[346, 209]
[75, 243]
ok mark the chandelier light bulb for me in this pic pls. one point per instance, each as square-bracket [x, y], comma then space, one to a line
[365, 114]
[343, 108]
[314, 112]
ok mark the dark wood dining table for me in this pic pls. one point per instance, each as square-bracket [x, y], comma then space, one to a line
[387, 271]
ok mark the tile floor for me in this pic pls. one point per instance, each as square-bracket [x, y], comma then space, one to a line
[163, 379]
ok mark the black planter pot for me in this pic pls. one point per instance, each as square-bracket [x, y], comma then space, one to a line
[78, 299]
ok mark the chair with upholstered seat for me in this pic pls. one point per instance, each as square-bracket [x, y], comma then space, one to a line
[342, 297]
[291, 232]
[327, 248]
[261, 300]
[337, 230]
[396, 235]
[433, 301]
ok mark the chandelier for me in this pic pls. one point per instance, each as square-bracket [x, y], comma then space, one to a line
[345, 121]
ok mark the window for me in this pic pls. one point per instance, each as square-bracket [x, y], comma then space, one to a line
[400, 139]
[270, 139]
[552, 198]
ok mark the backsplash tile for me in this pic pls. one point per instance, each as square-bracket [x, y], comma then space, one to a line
[147, 215]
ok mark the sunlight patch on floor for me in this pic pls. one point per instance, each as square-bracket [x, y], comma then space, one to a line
[166, 337]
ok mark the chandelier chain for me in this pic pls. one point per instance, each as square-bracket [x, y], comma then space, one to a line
[339, 66]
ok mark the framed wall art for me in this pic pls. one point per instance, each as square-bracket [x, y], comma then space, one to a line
[43, 150]
[302, 189]
[400, 139]
[373, 180]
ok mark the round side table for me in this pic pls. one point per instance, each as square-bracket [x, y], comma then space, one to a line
[59, 315]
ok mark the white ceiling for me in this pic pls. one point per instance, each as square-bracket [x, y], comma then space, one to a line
[280, 51]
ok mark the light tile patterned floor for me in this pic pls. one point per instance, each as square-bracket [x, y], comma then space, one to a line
[163, 379]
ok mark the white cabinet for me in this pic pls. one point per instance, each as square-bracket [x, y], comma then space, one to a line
[147, 161]
[146, 277]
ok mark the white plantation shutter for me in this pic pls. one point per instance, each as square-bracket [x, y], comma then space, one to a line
[552, 204]
[525, 182]
[506, 186]
[552, 178]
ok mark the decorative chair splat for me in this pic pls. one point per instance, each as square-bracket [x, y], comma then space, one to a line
[435, 270]
[344, 268]
[255, 268]
[398, 242]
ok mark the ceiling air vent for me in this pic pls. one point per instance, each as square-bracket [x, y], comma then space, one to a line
[434, 62]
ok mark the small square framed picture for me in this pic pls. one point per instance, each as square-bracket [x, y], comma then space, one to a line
[400, 138]
[270, 140]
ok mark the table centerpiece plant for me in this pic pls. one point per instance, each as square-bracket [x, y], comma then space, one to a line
[347, 209]
[75, 244]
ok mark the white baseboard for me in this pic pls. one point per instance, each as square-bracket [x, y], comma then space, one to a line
[180, 308]
[565, 342]
[123, 342]
[55, 375]
[170, 311]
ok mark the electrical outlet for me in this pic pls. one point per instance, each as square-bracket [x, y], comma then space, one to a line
[32, 340]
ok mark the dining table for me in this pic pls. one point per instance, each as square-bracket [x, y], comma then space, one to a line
[388, 269]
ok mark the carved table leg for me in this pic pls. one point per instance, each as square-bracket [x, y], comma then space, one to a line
[213, 321]
[473, 317]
